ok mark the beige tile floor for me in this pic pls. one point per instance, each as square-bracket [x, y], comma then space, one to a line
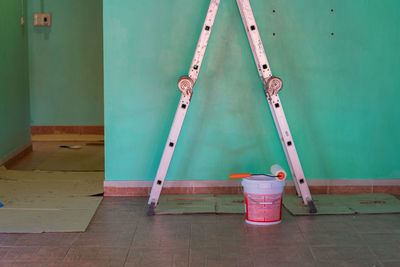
[120, 234]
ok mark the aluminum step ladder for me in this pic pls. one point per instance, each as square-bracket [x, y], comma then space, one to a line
[272, 85]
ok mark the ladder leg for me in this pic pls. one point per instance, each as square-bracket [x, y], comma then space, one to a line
[185, 84]
[290, 151]
[168, 152]
[282, 127]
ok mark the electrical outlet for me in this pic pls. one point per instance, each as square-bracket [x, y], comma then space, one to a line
[42, 19]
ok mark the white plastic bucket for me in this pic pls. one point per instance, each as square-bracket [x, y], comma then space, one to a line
[263, 199]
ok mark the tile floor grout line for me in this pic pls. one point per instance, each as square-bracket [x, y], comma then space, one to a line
[371, 251]
[306, 241]
[190, 243]
[130, 246]
[65, 256]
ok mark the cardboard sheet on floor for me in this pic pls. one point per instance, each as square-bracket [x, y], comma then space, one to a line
[48, 214]
[68, 137]
[195, 204]
[15, 183]
[185, 204]
[36, 201]
[88, 158]
[345, 204]
[326, 204]
[229, 204]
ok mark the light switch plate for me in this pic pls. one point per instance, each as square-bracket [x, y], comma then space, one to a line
[42, 19]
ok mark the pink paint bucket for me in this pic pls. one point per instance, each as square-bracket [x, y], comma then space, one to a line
[263, 199]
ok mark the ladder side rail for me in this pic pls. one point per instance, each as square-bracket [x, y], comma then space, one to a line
[289, 148]
[169, 149]
[284, 140]
[274, 101]
[201, 46]
[262, 65]
[182, 107]
[265, 72]
[256, 44]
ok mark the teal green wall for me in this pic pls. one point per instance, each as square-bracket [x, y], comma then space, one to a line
[340, 94]
[66, 63]
[14, 83]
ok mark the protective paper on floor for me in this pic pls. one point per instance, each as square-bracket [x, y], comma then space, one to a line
[32, 217]
[229, 204]
[326, 204]
[15, 183]
[344, 204]
[180, 204]
[88, 158]
[68, 137]
[36, 201]
[194, 204]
